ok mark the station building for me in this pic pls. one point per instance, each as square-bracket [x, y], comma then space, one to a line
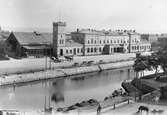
[94, 42]
[81, 42]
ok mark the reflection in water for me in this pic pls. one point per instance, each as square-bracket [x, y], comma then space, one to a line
[63, 91]
[57, 90]
[57, 97]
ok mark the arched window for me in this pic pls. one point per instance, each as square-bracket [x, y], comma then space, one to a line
[88, 41]
[100, 49]
[137, 47]
[88, 50]
[104, 41]
[78, 50]
[91, 49]
[95, 49]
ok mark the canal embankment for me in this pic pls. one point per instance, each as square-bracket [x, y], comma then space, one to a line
[29, 65]
[61, 72]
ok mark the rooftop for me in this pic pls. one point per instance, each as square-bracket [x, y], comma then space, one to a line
[72, 43]
[106, 32]
[26, 38]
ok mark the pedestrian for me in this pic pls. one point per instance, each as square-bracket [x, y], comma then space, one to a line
[98, 109]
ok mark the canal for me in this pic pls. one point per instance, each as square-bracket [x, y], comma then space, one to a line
[63, 92]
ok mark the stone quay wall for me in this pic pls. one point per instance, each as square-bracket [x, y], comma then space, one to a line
[61, 72]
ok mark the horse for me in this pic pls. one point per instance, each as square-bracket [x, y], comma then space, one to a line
[143, 108]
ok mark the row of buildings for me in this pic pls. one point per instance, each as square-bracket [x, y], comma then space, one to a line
[81, 42]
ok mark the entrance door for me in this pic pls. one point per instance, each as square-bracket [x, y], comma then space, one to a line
[61, 52]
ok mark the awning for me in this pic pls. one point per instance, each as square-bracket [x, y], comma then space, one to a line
[36, 47]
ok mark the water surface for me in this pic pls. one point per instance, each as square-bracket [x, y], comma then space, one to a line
[62, 92]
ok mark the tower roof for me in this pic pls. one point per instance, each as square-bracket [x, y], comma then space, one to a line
[59, 23]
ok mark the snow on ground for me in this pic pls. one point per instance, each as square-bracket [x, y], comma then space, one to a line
[31, 64]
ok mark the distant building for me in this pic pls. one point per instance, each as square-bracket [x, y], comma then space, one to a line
[28, 44]
[150, 37]
[93, 42]
[3, 36]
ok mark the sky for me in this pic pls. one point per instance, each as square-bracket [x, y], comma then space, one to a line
[145, 16]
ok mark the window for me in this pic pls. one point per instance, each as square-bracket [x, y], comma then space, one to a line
[118, 41]
[107, 41]
[88, 50]
[67, 51]
[62, 41]
[88, 41]
[111, 41]
[95, 41]
[91, 49]
[104, 41]
[100, 41]
[71, 51]
[92, 41]
[100, 49]
[78, 50]
[95, 49]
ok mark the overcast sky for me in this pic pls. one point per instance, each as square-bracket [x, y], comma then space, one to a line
[142, 15]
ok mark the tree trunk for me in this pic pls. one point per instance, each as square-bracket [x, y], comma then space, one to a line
[136, 74]
[156, 71]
